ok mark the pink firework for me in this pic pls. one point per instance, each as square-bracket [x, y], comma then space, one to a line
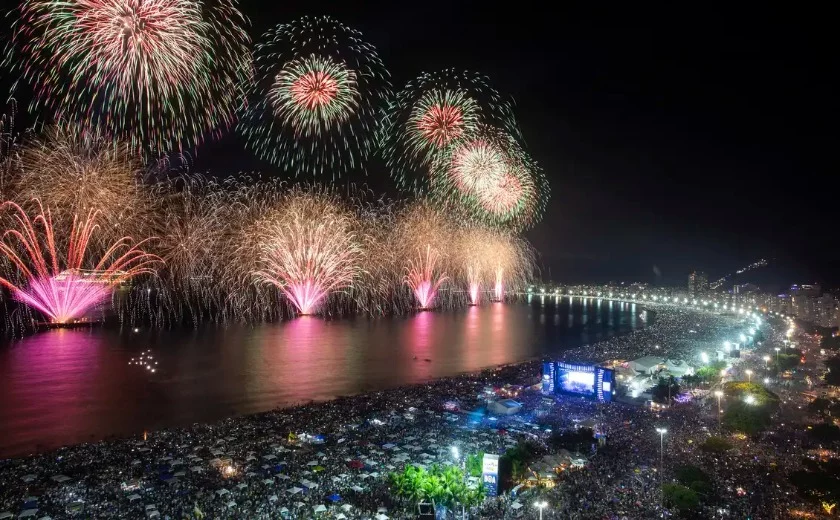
[57, 285]
[474, 292]
[441, 123]
[314, 89]
[309, 249]
[424, 277]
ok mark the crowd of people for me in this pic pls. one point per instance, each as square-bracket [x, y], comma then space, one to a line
[332, 459]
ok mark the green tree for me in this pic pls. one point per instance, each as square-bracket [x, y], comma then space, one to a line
[830, 342]
[786, 361]
[474, 464]
[680, 497]
[746, 418]
[710, 372]
[694, 478]
[832, 377]
[666, 390]
[824, 433]
[740, 390]
[820, 406]
[716, 444]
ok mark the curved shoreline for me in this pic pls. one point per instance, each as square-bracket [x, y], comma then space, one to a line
[523, 364]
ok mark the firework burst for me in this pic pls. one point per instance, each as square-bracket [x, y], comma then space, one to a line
[424, 276]
[432, 114]
[159, 74]
[54, 280]
[72, 173]
[319, 93]
[425, 241]
[306, 246]
[490, 179]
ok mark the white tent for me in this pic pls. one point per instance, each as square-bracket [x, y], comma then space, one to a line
[272, 498]
[294, 490]
[320, 508]
[340, 516]
[241, 486]
[60, 478]
[29, 513]
[231, 504]
[132, 498]
[150, 506]
[222, 492]
[29, 477]
[152, 513]
[346, 507]
[516, 505]
[312, 463]
[268, 481]
[380, 516]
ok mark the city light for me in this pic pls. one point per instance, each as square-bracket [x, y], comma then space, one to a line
[542, 504]
[749, 399]
[749, 375]
[704, 357]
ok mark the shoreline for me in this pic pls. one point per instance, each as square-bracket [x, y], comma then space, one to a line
[256, 465]
[572, 354]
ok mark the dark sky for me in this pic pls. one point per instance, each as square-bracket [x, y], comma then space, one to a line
[680, 137]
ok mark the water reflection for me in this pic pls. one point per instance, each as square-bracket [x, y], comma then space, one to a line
[69, 386]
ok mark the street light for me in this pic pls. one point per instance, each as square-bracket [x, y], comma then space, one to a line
[542, 504]
[661, 432]
[749, 375]
[777, 349]
[750, 399]
[766, 360]
[719, 394]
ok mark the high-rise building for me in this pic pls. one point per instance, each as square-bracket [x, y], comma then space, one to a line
[698, 283]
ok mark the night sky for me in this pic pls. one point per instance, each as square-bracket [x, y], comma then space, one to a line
[674, 139]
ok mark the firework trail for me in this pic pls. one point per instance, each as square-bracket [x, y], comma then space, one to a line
[424, 239]
[192, 227]
[56, 284]
[303, 243]
[158, 74]
[474, 255]
[489, 179]
[424, 276]
[433, 113]
[72, 173]
[319, 93]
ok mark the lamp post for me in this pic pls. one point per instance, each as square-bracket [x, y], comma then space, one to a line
[661, 432]
[718, 394]
[749, 375]
[542, 504]
[766, 361]
[777, 349]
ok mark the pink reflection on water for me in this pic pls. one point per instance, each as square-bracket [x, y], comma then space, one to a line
[500, 341]
[472, 339]
[49, 371]
[420, 344]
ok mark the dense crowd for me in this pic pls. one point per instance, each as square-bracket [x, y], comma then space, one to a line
[332, 459]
